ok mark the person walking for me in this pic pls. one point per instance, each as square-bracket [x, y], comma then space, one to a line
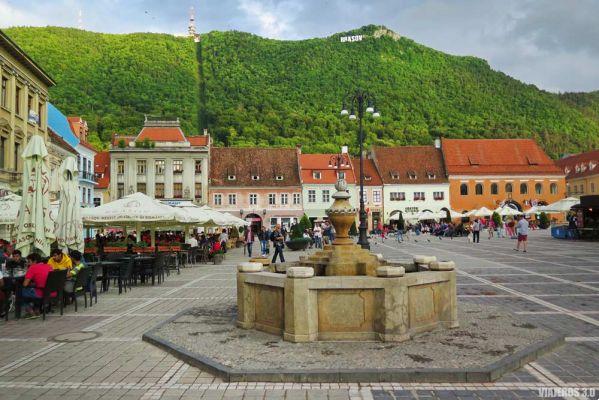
[317, 236]
[263, 237]
[522, 229]
[249, 240]
[476, 225]
[491, 228]
[278, 241]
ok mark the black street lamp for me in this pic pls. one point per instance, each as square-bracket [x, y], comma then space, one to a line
[363, 103]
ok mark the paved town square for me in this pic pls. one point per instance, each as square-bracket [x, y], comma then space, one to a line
[554, 285]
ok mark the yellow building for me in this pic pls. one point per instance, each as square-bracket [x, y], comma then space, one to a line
[23, 108]
[582, 173]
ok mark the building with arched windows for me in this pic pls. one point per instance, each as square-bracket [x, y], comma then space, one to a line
[582, 173]
[493, 172]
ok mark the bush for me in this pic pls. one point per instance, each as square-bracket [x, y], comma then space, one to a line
[121, 143]
[297, 232]
[401, 224]
[543, 221]
[496, 219]
[305, 223]
[298, 244]
[353, 231]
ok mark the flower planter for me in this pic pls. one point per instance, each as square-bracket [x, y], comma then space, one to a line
[115, 249]
[90, 250]
[297, 244]
[218, 258]
[143, 249]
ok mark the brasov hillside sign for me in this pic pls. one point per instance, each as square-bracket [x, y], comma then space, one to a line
[356, 38]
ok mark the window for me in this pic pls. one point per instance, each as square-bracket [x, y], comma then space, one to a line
[464, 189]
[297, 198]
[341, 175]
[232, 199]
[198, 166]
[284, 199]
[272, 199]
[17, 155]
[376, 196]
[430, 175]
[141, 167]
[509, 188]
[40, 109]
[177, 190]
[478, 189]
[255, 177]
[2, 150]
[494, 188]
[581, 188]
[438, 195]
[120, 167]
[120, 190]
[89, 196]
[159, 167]
[394, 175]
[592, 187]
[198, 190]
[218, 199]
[365, 195]
[177, 166]
[159, 190]
[18, 101]
[141, 187]
[412, 175]
[397, 196]
[97, 202]
[253, 199]
[538, 188]
[89, 166]
[279, 177]
[4, 93]
[419, 196]
[523, 188]
[231, 177]
[83, 164]
[29, 104]
[326, 196]
[311, 196]
[83, 195]
[316, 175]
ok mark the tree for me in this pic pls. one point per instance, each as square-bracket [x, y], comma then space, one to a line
[305, 222]
[496, 219]
[543, 221]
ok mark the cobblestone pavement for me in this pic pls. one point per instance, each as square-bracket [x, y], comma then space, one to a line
[554, 284]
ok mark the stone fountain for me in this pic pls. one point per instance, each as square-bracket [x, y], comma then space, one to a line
[344, 292]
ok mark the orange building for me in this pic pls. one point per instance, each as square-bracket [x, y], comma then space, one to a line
[493, 172]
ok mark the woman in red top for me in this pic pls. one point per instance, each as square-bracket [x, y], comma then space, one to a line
[34, 283]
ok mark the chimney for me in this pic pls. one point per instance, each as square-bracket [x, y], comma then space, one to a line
[205, 131]
[437, 143]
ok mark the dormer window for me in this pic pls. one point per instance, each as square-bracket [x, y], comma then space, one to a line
[583, 167]
[255, 177]
[430, 175]
[341, 175]
[394, 175]
[577, 168]
[567, 170]
[279, 177]
[412, 175]
[592, 165]
[231, 177]
[316, 175]
[473, 159]
[367, 177]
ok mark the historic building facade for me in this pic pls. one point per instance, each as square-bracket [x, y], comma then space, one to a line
[261, 185]
[582, 173]
[102, 171]
[373, 191]
[161, 162]
[319, 173]
[23, 102]
[85, 161]
[493, 172]
[414, 180]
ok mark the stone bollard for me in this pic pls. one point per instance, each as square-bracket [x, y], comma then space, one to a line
[423, 261]
[262, 260]
[442, 266]
[300, 272]
[249, 267]
[387, 271]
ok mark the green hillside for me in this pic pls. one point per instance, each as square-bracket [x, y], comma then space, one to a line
[253, 91]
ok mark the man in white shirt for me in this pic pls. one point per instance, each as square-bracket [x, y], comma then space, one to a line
[192, 241]
[522, 228]
[318, 236]
[224, 238]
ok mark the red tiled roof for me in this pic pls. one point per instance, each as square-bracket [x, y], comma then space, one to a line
[310, 163]
[371, 175]
[496, 157]
[198, 140]
[409, 164]
[116, 139]
[580, 165]
[243, 163]
[161, 134]
[102, 169]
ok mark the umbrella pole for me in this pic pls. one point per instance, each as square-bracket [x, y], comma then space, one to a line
[138, 231]
[153, 237]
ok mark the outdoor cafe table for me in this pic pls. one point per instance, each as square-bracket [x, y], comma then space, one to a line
[106, 266]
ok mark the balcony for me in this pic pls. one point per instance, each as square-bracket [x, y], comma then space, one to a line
[88, 176]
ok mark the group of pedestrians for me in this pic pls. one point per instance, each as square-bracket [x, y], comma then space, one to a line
[516, 230]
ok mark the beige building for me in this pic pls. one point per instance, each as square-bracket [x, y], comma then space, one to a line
[160, 162]
[582, 173]
[23, 108]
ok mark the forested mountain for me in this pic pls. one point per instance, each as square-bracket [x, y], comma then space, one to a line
[253, 91]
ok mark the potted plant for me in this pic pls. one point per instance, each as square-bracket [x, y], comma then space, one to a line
[297, 241]
[176, 246]
[218, 256]
[233, 238]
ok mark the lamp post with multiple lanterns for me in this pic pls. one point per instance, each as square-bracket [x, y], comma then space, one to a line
[361, 104]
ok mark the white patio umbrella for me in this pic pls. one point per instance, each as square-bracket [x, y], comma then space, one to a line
[200, 216]
[453, 214]
[35, 229]
[427, 215]
[559, 206]
[507, 211]
[483, 212]
[236, 221]
[69, 226]
[224, 219]
[533, 210]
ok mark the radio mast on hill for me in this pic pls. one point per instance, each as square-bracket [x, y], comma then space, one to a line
[191, 29]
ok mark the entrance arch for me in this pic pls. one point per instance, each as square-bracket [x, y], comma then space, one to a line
[255, 222]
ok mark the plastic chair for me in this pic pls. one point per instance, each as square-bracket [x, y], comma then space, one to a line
[79, 286]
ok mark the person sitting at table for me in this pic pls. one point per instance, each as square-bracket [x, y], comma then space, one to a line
[2, 295]
[59, 260]
[16, 261]
[216, 246]
[34, 283]
[78, 264]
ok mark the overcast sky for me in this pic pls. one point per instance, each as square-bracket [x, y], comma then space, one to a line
[553, 44]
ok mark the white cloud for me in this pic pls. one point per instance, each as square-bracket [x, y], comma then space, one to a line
[274, 20]
[10, 15]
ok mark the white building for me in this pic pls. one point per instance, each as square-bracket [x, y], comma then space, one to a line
[160, 162]
[414, 180]
[85, 161]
